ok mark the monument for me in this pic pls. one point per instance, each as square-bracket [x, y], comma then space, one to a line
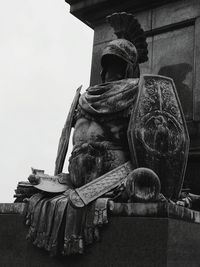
[130, 149]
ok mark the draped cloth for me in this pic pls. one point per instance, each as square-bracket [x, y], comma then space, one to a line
[53, 223]
[109, 98]
[57, 227]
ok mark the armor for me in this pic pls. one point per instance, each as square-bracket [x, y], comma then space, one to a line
[131, 45]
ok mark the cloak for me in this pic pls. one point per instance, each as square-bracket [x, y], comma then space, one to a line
[109, 98]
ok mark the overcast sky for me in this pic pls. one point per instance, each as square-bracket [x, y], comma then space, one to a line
[45, 54]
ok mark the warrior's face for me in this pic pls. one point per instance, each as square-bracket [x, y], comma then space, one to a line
[119, 60]
[115, 68]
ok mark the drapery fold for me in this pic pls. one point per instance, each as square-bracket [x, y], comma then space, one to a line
[59, 228]
[108, 98]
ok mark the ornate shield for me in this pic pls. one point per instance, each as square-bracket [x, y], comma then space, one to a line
[157, 134]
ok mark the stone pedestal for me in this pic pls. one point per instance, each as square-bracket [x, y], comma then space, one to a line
[125, 242]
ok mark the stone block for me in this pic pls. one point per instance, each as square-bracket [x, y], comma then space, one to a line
[173, 57]
[175, 12]
[125, 242]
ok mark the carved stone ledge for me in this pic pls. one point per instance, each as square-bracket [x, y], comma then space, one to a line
[159, 210]
[12, 208]
[93, 11]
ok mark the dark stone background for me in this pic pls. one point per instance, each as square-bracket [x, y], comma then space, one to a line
[125, 242]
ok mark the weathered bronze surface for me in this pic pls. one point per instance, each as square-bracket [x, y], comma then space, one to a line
[98, 187]
[143, 185]
[64, 139]
[172, 30]
[100, 160]
[158, 135]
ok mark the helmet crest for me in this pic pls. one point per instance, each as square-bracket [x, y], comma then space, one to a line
[127, 27]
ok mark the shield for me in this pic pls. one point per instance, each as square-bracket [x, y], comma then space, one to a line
[65, 135]
[157, 133]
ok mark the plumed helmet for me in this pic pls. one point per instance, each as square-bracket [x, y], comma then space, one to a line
[121, 48]
[131, 45]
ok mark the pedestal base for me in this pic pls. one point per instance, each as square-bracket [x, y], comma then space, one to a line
[125, 241]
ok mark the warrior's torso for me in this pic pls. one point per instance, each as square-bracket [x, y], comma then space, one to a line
[91, 130]
[100, 132]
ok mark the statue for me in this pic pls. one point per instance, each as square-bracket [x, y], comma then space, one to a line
[128, 131]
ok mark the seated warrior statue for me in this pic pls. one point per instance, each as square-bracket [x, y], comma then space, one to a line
[101, 149]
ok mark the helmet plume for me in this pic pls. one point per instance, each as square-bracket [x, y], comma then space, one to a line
[126, 26]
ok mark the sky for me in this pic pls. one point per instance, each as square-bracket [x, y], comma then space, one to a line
[45, 55]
